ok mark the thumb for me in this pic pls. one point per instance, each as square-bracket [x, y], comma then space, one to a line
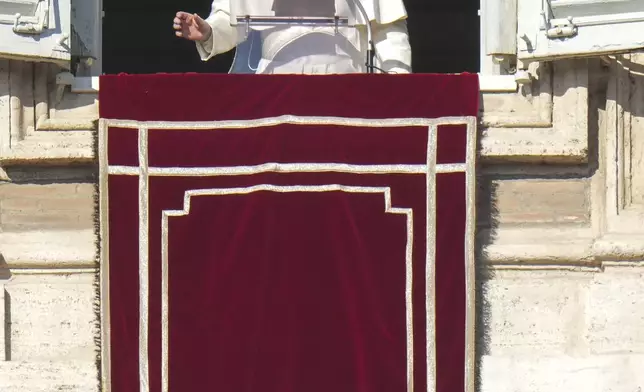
[197, 20]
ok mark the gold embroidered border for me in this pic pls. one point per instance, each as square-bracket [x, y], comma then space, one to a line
[143, 260]
[470, 244]
[104, 271]
[294, 120]
[274, 167]
[408, 212]
[430, 258]
[432, 124]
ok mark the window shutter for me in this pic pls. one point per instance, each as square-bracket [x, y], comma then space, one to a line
[551, 29]
[36, 30]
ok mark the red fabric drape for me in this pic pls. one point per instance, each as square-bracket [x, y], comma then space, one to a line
[287, 291]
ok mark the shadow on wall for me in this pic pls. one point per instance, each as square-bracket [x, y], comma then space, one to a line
[5, 308]
[486, 219]
[491, 174]
[5, 272]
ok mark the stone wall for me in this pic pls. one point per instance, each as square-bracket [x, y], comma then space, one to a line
[48, 323]
[563, 250]
[560, 218]
[554, 330]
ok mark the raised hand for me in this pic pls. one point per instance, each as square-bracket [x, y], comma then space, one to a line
[191, 27]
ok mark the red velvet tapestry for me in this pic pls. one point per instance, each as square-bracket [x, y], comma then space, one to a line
[287, 233]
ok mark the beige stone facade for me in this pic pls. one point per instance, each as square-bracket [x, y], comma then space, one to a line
[560, 219]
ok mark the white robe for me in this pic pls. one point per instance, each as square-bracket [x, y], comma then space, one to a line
[317, 50]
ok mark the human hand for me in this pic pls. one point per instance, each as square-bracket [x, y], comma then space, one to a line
[191, 27]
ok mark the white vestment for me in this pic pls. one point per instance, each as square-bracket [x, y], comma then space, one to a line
[314, 50]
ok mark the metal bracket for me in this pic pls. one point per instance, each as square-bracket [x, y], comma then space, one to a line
[562, 30]
[559, 28]
[41, 24]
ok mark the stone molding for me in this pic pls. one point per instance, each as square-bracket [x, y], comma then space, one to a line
[70, 252]
[48, 249]
[560, 248]
[546, 121]
[40, 120]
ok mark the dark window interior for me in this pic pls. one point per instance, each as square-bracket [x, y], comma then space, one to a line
[138, 37]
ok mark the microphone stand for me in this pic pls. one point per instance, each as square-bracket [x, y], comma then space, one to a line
[371, 48]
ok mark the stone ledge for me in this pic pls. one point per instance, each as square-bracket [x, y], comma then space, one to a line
[54, 124]
[45, 147]
[549, 247]
[564, 247]
[520, 245]
[50, 249]
[531, 145]
[615, 247]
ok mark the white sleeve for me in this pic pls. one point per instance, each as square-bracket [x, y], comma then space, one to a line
[223, 37]
[393, 52]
